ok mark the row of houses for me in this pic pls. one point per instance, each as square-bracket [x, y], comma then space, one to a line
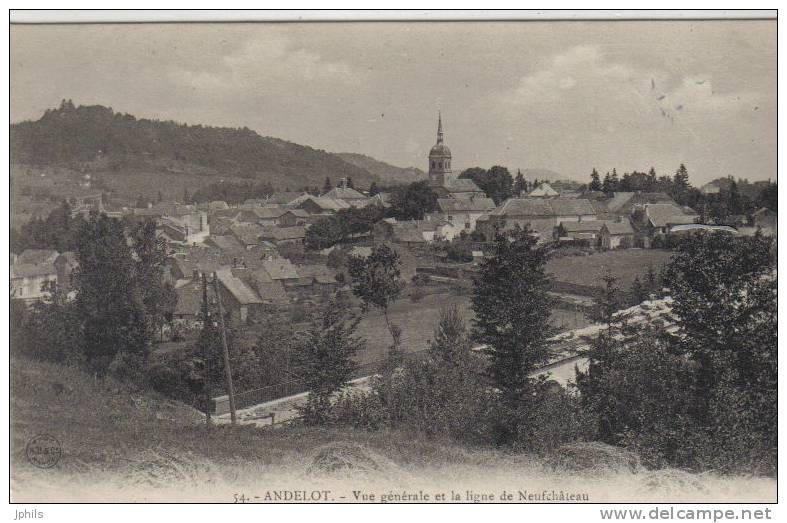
[624, 220]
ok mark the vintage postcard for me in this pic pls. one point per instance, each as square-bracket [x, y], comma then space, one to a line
[396, 260]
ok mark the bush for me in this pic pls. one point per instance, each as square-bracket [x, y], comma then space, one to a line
[361, 410]
[553, 418]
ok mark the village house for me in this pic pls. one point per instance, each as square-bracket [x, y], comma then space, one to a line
[318, 205]
[284, 198]
[587, 232]
[413, 232]
[249, 235]
[616, 234]
[658, 217]
[238, 299]
[625, 203]
[32, 270]
[462, 214]
[544, 190]
[348, 195]
[284, 235]
[281, 270]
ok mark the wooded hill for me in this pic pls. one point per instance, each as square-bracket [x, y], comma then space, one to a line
[94, 138]
[387, 173]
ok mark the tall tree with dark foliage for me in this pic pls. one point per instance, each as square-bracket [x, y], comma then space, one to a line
[512, 310]
[108, 300]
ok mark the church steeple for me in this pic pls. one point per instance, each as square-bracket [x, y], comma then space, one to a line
[440, 159]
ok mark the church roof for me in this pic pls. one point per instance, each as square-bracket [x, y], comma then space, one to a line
[440, 150]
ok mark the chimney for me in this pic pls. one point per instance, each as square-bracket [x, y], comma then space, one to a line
[234, 262]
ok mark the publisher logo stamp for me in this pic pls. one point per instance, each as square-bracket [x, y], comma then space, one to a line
[43, 451]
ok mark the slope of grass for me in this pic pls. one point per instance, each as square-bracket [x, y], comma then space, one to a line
[122, 445]
[624, 264]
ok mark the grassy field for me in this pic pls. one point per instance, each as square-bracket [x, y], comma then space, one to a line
[120, 445]
[419, 320]
[624, 264]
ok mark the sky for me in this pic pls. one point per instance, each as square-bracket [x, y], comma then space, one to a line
[567, 96]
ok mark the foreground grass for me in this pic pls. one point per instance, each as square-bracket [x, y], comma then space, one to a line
[122, 445]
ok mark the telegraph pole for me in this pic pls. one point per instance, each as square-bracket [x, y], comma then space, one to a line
[230, 390]
[206, 348]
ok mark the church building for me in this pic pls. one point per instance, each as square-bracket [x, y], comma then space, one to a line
[442, 179]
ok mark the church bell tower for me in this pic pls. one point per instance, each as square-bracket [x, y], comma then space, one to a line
[439, 159]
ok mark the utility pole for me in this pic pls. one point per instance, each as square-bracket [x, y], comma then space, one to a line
[206, 348]
[230, 390]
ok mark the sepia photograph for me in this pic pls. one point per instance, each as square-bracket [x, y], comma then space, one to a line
[393, 257]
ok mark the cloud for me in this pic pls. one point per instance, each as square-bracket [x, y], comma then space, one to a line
[268, 65]
[585, 107]
[583, 83]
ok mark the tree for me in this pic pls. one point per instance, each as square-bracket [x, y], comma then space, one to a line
[734, 203]
[186, 196]
[680, 185]
[325, 233]
[49, 329]
[638, 291]
[520, 185]
[142, 202]
[451, 343]
[496, 182]
[443, 393]
[705, 396]
[769, 197]
[651, 180]
[595, 183]
[512, 310]
[719, 285]
[373, 190]
[349, 183]
[413, 201]
[108, 301]
[58, 231]
[326, 187]
[377, 281]
[608, 302]
[606, 186]
[324, 358]
[614, 182]
[158, 297]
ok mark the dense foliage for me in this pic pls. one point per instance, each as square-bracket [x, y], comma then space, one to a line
[58, 231]
[342, 226]
[413, 201]
[705, 396]
[121, 302]
[496, 182]
[75, 135]
[323, 356]
[735, 197]
[231, 192]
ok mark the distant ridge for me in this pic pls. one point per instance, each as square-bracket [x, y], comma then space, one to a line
[386, 173]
